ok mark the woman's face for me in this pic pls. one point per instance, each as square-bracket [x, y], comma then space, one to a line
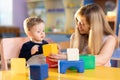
[82, 25]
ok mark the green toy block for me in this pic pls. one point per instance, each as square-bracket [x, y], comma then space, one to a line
[89, 61]
[72, 68]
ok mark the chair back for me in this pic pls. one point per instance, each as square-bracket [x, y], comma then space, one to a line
[10, 48]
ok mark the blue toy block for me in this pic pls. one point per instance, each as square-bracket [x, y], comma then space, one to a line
[39, 72]
[63, 65]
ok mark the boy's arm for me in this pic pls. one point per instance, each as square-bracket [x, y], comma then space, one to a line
[25, 52]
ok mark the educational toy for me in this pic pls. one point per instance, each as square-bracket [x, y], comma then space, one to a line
[39, 72]
[72, 54]
[18, 65]
[63, 65]
[50, 48]
[89, 61]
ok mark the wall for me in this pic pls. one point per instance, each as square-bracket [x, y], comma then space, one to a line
[19, 12]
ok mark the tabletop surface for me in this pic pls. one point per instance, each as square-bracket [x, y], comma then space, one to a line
[99, 73]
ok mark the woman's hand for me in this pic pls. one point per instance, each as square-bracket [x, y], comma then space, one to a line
[56, 57]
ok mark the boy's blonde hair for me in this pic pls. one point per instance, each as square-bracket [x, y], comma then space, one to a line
[30, 22]
[99, 27]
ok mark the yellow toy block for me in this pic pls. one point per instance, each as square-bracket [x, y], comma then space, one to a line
[50, 48]
[19, 77]
[18, 65]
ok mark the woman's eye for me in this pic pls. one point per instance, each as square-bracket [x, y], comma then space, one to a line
[83, 24]
[38, 31]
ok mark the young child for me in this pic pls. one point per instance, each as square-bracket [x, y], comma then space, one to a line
[34, 28]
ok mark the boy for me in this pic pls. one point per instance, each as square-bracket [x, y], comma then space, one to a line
[34, 28]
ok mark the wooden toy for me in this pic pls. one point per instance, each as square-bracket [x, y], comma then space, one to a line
[50, 48]
[89, 61]
[51, 64]
[18, 69]
[47, 50]
[63, 65]
[72, 54]
[18, 65]
[39, 72]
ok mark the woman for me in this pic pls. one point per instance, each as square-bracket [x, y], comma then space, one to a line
[92, 35]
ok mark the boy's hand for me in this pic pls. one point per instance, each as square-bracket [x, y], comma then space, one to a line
[34, 49]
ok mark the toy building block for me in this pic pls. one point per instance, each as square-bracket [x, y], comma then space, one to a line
[39, 72]
[89, 61]
[51, 64]
[19, 77]
[72, 54]
[18, 65]
[63, 65]
[47, 50]
[50, 48]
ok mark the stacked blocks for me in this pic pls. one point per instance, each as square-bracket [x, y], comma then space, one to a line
[71, 62]
[64, 65]
[47, 50]
[89, 61]
[39, 72]
[72, 55]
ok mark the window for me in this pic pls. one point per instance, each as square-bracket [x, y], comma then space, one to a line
[6, 12]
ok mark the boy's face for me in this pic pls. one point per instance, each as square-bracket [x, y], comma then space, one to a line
[37, 32]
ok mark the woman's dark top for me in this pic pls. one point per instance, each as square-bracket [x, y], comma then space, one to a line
[25, 51]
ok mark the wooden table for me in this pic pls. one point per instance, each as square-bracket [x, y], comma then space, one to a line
[99, 73]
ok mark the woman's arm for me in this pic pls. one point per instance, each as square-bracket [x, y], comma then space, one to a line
[56, 57]
[106, 51]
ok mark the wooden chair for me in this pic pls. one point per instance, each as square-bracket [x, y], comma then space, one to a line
[10, 48]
